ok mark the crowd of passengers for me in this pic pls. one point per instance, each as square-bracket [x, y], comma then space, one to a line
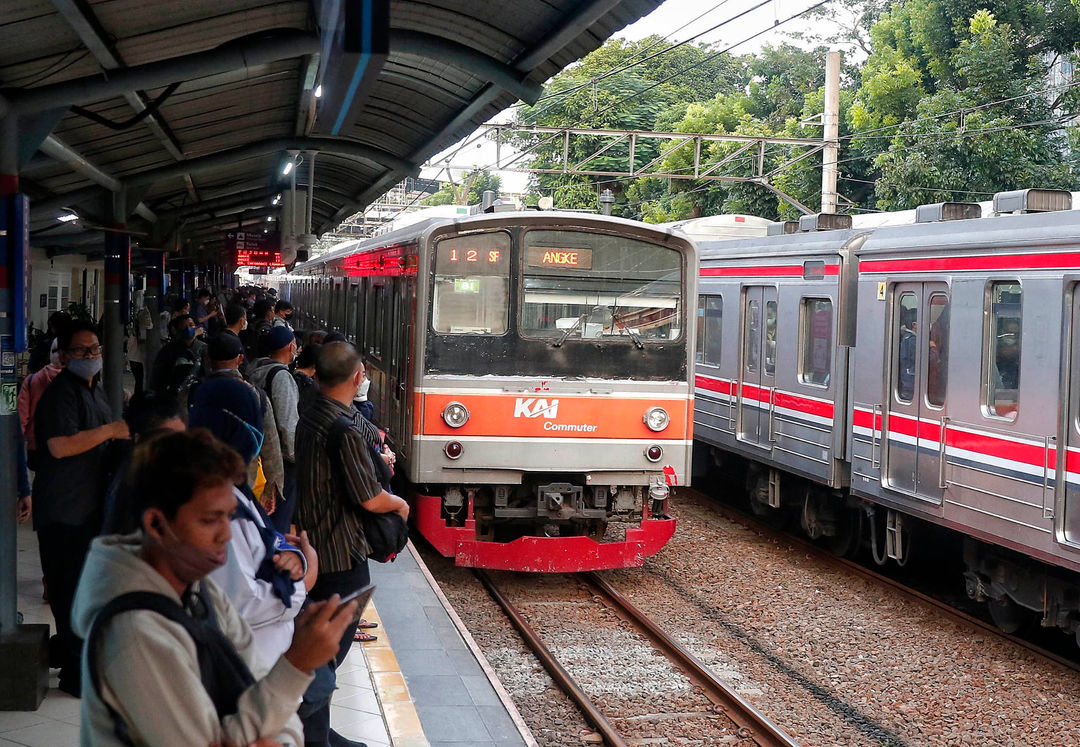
[195, 552]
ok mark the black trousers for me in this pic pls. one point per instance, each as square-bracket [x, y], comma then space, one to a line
[282, 517]
[63, 551]
[137, 371]
[317, 721]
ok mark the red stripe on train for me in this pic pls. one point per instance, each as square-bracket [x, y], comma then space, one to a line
[760, 394]
[763, 271]
[1055, 261]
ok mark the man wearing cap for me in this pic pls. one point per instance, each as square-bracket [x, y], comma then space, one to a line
[273, 376]
[226, 355]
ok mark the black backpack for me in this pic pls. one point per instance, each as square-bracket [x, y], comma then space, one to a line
[386, 534]
[224, 674]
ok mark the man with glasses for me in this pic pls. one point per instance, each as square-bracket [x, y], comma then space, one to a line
[73, 426]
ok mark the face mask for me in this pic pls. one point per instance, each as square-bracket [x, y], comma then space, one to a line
[85, 368]
[189, 333]
[362, 390]
[188, 562]
[244, 325]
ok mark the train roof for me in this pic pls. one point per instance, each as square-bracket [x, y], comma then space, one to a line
[1047, 230]
[416, 230]
[795, 244]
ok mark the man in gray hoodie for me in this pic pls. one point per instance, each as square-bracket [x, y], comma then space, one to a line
[272, 375]
[186, 674]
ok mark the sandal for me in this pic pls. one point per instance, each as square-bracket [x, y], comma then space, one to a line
[361, 637]
[367, 624]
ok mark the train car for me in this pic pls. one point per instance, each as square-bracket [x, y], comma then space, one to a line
[533, 372]
[950, 397]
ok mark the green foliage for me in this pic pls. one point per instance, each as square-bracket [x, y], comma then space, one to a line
[467, 192]
[950, 102]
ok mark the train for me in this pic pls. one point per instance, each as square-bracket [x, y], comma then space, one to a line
[880, 384]
[533, 370]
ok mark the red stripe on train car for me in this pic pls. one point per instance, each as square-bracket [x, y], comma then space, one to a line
[804, 404]
[1051, 261]
[763, 271]
[713, 385]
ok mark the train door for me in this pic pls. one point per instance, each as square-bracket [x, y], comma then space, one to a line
[1070, 520]
[918, 355]
[400, 364]
[757, 372]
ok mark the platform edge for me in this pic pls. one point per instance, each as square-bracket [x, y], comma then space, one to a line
[478, 654]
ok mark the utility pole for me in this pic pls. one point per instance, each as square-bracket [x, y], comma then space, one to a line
[831, 120]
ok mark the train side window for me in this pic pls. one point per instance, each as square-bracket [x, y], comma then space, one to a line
[472, 285]
[770, 338]
[752, 338]
[937, 350]
[907, 324]
[710, 318]
[815, 356]
[1001, 349]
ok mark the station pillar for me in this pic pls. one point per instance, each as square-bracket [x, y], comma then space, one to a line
[117, 303]
[154, 297]
[24, 676]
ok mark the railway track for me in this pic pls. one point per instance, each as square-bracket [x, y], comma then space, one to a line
[740, 517]
[751, 725]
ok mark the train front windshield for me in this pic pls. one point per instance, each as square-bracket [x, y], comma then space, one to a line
[588, 285]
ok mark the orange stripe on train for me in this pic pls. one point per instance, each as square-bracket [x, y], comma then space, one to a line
[554, 416]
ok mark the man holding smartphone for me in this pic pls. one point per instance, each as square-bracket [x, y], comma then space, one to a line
[331, 489]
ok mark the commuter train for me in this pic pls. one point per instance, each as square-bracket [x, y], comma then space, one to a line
[533, 370]
[877, 381]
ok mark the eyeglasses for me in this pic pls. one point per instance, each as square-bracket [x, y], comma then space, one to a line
[84, 351]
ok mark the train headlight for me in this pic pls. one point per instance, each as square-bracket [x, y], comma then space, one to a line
[656, 418]
[455, 414]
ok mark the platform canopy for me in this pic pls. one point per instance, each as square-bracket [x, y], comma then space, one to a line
[190, 110]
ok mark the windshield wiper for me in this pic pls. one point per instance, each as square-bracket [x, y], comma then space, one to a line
[615, 319]
[569, 331]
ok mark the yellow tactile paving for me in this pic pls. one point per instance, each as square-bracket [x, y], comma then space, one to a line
[402, 721]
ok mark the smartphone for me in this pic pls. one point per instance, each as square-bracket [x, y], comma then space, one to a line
[362, 595]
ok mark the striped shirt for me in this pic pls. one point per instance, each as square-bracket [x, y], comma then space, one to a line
[327, 510]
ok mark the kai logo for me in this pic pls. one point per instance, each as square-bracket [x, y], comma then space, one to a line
[531, 407]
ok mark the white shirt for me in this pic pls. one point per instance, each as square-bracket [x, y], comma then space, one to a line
[271, 621]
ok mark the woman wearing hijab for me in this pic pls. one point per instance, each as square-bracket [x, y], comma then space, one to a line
[267, 575]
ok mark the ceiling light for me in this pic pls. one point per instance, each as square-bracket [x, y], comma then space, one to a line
[288, 169]
[269, 218]
[318, 91]
[276, 200]
[67, 217]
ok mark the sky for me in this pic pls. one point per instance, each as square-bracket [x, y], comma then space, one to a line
[677, 20]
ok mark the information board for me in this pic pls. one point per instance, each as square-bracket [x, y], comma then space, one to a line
[254, 249]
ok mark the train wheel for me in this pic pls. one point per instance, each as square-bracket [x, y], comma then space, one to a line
[1008, 615]
[757, 488]
[848, 537]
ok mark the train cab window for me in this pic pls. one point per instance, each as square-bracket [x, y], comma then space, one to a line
[815, 356]
[472, 285]
[907, 325]
[937, 350]
[710, 323]
[770, 338]
[1001, 349]
[578, 285]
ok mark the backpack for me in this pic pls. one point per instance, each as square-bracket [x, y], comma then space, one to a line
[223, 673]
[386, 534]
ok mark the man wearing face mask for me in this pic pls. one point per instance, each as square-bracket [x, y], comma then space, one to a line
[72, 425]
[273, 376]
[180, 361]
[169, 660]
[283, 311]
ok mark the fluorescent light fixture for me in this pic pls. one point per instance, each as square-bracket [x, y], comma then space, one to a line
[318, 91]
[288, 169]
[67, 217]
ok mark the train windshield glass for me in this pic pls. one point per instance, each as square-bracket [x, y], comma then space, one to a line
[472, 283]
[590, 285]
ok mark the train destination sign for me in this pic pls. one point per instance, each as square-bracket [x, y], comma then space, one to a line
[550, 256]
[467, 256]
[254, 249]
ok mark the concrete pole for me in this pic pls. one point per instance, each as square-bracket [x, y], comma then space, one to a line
[117, 280]
[831, 120]
[310, 156]
[155, 274]
[9, 186]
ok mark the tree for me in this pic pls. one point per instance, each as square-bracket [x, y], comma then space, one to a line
[468, 192]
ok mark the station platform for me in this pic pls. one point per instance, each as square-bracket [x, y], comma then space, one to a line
[423, 682]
